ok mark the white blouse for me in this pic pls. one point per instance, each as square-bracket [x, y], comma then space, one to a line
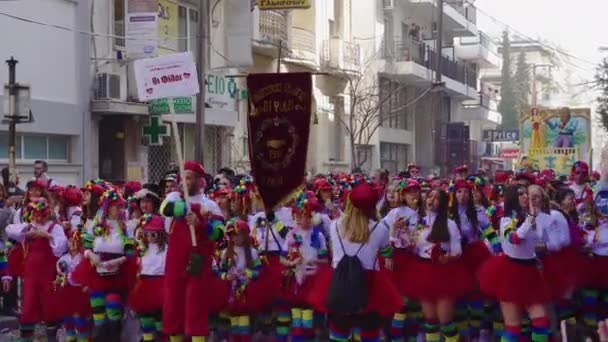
[71, 261]
[470, 233]
[424, 247]
[598, 239]
[58, 243]
[378, 239]
[400, 237]
[153, 261]
[527, 235]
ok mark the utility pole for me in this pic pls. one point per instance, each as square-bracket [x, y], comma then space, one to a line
[438, 150]
[12, 117]
[203, 20]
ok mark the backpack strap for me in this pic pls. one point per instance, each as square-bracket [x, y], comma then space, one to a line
[361, 246]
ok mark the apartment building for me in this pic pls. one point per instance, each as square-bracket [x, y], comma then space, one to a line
[55, 64]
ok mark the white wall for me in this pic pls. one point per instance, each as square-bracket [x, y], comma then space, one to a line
[46, 55]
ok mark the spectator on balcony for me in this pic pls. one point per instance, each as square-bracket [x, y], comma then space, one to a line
[415, 32]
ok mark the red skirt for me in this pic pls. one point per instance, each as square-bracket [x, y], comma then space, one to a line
[255, 298]
[15, 260]
[147, 295]
[430, 281]
[402, 259]
[573, 261]
[384, 298]
[86, 274]
[73, 300]
[474, 255]
[506, 280]
[297, 294]
[596, 272]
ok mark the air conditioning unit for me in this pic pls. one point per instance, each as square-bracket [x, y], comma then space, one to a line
[107, 87]
[388, 4]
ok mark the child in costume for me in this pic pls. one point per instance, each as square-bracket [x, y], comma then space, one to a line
[146, 297]
[358, 233]
[515, 278]
[246, 292]
[73, 296]
[106, 268]
[402, 222]
[43, 242]
[438, 249]
[304, 252]
[72, 202]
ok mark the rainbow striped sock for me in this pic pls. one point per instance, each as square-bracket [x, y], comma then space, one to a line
[431, 331]
[98, 306]
[114, 307]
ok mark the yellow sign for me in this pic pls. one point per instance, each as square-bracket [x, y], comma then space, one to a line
[168, 29]
[282, 4]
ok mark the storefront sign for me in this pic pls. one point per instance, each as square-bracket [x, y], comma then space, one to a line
[283, 4]
[181, 105]
[155, 130]
[509, 153]
[141, 28]
[221, 92]
[500, 135]
[279, 125]
[167, 76]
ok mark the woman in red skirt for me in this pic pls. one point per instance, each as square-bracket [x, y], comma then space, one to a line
[246, 290]
[516, 278]
[359, 233]
[105, 270]
[43, 242]
[73, 296]
[438, 249]
[146, 297]
[401, 222]
[304, 254]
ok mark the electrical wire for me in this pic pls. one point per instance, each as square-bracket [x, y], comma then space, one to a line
[555, 49]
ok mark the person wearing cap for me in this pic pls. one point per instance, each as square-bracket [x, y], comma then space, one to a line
[44, 241]
[146, 296]
[246, 289]
[438, 251]
[222, 196]
[579, 177]
[186, 304]
[359, 229]
[304, 252]
[402, 222]
[106, 265]
[324, 189]
[74, 299]
[477, 234]
[70, 210]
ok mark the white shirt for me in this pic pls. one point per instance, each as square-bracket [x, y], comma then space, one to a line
[206, 205]
[113, 242]
[468, 232]
[153, 260]
[265, 237]
[308, 253]
[368, 255]
[74, 217]
[598, 240]
[58, 243]
[240, 258]
[71, 261]
[556, 232]
[400, 237]
[424, 247]
[526, 249]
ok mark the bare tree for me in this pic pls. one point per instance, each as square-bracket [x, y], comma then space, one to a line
[371, 105]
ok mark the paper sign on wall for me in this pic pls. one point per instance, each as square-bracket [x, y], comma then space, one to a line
[141, 27]
[166, 76]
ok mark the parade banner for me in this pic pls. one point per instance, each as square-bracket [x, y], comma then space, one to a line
[167, 76]
[556, 138]
[279, 114]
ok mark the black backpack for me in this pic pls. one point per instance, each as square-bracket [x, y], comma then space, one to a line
[348, 292]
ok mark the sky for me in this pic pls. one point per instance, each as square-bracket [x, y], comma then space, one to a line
[579, 27]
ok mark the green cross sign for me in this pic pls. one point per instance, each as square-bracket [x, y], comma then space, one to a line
[155, 130]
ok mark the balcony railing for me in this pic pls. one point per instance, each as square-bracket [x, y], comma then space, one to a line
[273, 25]
[303, 40]
[467, 10]
[405, 50]
[352, 54]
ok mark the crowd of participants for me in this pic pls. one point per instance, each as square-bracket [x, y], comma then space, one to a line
[512, 256]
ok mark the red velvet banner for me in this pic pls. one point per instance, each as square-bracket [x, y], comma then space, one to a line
[279, 126]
